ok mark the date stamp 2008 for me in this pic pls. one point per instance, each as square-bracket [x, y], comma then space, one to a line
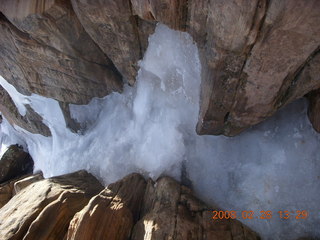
[298, 214]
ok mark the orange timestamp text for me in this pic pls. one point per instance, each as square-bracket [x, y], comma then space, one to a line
[298, 214]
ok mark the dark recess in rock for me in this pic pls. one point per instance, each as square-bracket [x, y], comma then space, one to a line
[15, 163]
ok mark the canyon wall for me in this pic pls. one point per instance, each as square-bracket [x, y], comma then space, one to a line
[257, 56]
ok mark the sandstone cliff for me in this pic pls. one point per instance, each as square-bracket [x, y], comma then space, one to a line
[257, 56]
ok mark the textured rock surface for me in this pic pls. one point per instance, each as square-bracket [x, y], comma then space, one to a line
[259, 48]
[6, 192]
[44, 209]
[163, 209]
[32, 121]
[170, 211]
[45, 50]
[113, 27]
[8, 189]
[256, 56]
[112, 213]
[26, 181]
[15, 163]
[132, 208]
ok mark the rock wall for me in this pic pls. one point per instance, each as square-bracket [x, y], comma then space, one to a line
[257, 56]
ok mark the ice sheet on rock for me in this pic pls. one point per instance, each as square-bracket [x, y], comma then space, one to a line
[9, 136]
[150, 128]
[86, 115]
[18, 99]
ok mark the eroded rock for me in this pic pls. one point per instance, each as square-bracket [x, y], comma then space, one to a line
[45, 50]
[250, 66]
[113, 27]
[26, 181]
[44, 209]
[170, 211]
[256, 56]
[70, 207]
[10, 188]
[112, 213]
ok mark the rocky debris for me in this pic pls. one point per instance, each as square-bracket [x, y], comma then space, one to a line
[12, 187]
[44, 209]
[314, 109]
[15, 163]
[26, 181]
[112, 213]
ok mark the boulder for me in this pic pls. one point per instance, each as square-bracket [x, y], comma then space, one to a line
[44, 209]
[15, 163]
[112, 213]
[12, 187]
[75, 206]
[170, 211]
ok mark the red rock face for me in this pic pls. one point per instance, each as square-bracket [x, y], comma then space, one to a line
[256, 56]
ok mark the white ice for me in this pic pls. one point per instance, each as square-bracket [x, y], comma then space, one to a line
[150, 128]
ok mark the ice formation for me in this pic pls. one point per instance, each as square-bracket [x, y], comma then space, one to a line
[150, 128]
